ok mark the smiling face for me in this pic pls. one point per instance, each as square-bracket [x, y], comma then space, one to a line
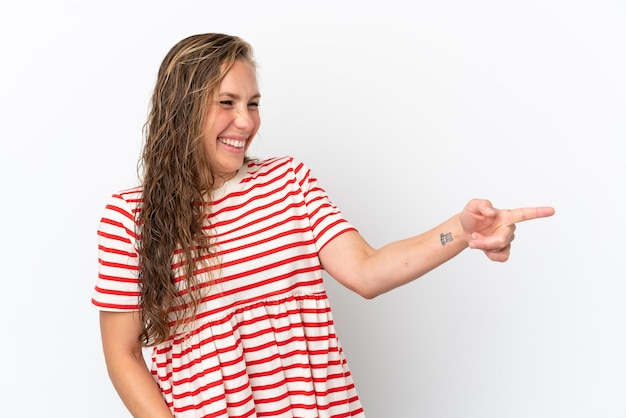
[233, 121]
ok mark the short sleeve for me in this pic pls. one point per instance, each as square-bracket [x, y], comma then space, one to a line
[117, 284]
[325, 217]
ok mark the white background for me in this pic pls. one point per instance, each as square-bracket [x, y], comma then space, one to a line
[404, 111]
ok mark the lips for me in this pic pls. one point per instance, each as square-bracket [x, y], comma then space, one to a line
[235, 143]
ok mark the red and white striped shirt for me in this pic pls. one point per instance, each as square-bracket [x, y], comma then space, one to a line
[263, 343]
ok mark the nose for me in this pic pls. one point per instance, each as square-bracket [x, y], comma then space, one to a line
[244, 119]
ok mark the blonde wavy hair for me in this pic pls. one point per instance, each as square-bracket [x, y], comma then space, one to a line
[177, 178]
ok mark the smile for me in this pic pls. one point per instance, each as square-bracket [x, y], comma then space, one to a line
[236, 143]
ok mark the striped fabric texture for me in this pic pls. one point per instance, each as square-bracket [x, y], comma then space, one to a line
[263, 343]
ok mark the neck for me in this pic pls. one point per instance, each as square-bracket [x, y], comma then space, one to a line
[219, 178]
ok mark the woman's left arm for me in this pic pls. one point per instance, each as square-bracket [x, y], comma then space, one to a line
[371, 272]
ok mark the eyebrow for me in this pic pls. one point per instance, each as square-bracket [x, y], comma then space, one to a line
[237, 97]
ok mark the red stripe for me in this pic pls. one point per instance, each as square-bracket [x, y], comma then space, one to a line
[269, 295]
[274, 215]
[114, 237]
[117, 279]
[119, 225]
[116, 251]
[116, 292]
[114, 306]
[249, 203]
[120, 210]
[249, 305]
[118, 265]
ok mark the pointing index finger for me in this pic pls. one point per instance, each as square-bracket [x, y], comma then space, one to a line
[527, 214]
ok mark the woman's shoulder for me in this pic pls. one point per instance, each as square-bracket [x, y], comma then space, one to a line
[126, 200]
[130, 195]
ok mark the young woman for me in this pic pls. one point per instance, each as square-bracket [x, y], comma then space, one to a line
[215, 261]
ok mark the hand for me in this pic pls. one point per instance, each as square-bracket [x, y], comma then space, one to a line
[492, 230]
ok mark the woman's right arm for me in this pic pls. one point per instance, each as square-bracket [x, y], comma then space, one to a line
[126, 366]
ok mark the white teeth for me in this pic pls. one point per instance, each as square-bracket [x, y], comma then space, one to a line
[232, 142]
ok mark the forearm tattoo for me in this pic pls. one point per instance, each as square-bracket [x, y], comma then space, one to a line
[445, 238]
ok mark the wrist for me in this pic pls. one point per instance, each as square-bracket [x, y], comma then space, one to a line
[463, 236]
[453, 234]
